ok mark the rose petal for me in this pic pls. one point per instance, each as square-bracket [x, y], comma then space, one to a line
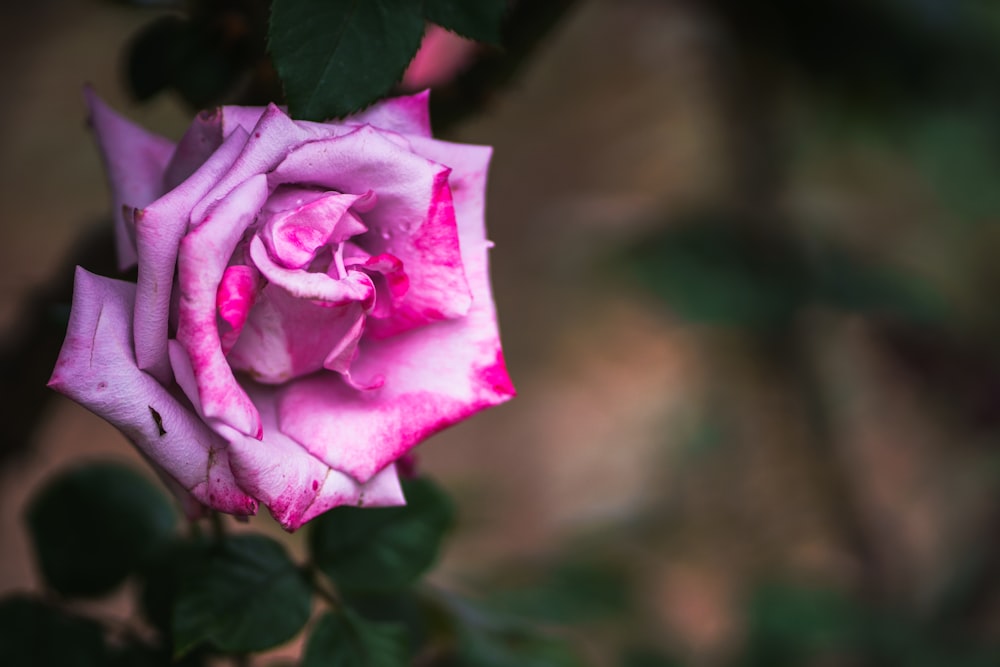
[407, 114]
[356, 286]
[135, 161]
[97, 369]
[159, 229]
[413, 218]
[286, 337]
[295, 485]
[202, 138]
[236, 296]
[294, 236]
[271, 139]
[434, 376]
[201, 262]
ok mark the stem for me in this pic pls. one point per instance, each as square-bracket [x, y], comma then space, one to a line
[218, 526]
[317, 580]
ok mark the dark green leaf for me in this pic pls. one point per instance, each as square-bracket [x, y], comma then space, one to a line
[336, 57]
[400, 608]
[382, 549]
[488, 638]
[527, 649]
[163, 576]
[714, 272]
[845, 282]
[346, 639]
[93, 525]
[196, 59]
[479, 19]
[32, 634]
[647, 657]
[245, 594]
[570, 593]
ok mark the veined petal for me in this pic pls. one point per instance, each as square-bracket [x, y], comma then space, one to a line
[271, 139]
[434, 376]
[159, 230]
[135, 161]
[97, 369]
[293, 484]
[201, 263]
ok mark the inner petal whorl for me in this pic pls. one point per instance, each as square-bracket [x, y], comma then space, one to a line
[295, 235]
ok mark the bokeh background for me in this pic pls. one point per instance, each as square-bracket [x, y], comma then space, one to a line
[746, 269]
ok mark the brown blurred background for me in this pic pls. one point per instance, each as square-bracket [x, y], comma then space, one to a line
[745, 272]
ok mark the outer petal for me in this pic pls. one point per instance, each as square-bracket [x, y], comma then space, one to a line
[407, 114]
[135, 161]
[413, 217]
[97, 369]
[202, 138]
[271, 139]
[159, 230]
[434, 376]
[201, 262]
[295, 485]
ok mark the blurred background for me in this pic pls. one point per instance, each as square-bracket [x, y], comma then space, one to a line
[746, 271]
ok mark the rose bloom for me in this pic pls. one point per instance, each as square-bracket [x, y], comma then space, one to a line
[313, 300]
[441, 57]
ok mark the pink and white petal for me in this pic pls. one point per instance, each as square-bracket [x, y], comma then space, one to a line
[271, 139]
[434, 376]
[389, 277]
[293, 484]
[234, 300]
[413, 218]
[294, 236]
[96, 368]
[407, 114]
[135, 161]
[286, 337]
[159, 230]
[357, 286]
[201, 263]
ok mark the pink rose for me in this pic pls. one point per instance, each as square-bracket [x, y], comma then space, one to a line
[442, 55]
[313, 300]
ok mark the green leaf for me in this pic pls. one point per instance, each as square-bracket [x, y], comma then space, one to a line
[476, 19]
[572, 592]
[191, 57]
[244, 594]
[647, 657]
[521, 649]
[487, 638]
[382, 549]
[336, 57]
[403, 608]
[346, 639]
[850, 284]
[93, 525]
[32, 634]
[712, 271]
[163, 577]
